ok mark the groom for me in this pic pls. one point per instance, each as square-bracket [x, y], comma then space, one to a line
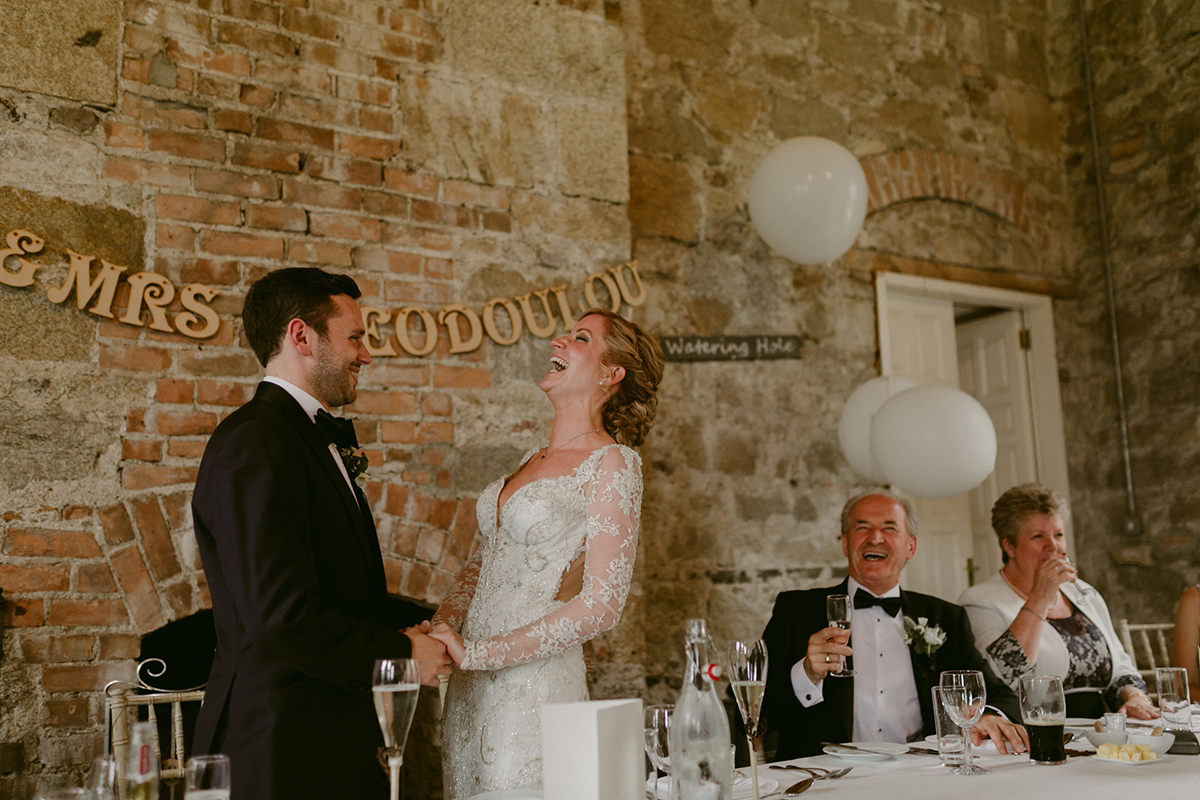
[889, 698]
[292, 560]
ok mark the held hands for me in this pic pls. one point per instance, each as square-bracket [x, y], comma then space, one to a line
[452, 641]
[824, 650]
[1007, 736]
[430, 653]
[1136, 704]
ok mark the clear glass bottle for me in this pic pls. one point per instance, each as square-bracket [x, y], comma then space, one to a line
[701, 763]
[141, 769]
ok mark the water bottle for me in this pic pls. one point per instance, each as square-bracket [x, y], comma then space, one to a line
[701, 764]
[141, 769]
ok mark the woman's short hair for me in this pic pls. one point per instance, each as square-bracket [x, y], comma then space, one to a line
[1018, 504]
[630, 411]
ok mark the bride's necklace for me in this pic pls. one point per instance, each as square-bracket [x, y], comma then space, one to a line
[568, 441]
[1023, 596]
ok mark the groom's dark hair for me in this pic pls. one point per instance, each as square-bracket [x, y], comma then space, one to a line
[304, 293]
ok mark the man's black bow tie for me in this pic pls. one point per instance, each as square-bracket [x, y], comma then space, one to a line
[337, 430]
[890, 605]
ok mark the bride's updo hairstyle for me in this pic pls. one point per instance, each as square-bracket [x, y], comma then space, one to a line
[630, 412]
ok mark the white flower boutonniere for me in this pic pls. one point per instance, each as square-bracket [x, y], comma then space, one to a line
[924, 640]
[355, 463]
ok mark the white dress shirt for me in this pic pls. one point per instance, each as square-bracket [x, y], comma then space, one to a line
[886, 706]
[311, 406]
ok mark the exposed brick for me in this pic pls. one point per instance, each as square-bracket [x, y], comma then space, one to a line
[368, 146]
[265, 187]
[384, 403]
[474, 194]
[411, 182]
[142, 40]
[259, 96]
[414, 236]
[171, 390]
[185, 423]
[377, 258]
[180, 599]
[257, 40]
[343, 226]
[310, 24]
[138, 589]
[294, 76]
[155, 536]
[248, 245]
[338, 255]
[167, 112]
[94, 579]
[174, 237]
[76, 512]
[135, 420]
[321, 194]
[208, 271]
[228, 365]
[252, 10]
[50, 543]
[136, 478]
[169, 176]
[397, 497]
[344, 170]
[24, 613]
[19, 579]
[81, 678]
[422, 292]
[141, 450]
[228, 119]
[386, 205]
[364, 91]
[416, 581]
[430, 545]
[217, 87]
[379, 120]
[116, 523]
[138, 359]
[295, 132]
[447, 377]
[412, 25]
[497, 221]
[436, 404]
[178, 448]
[435, 432]
[187, 145]
[197, 209]
[119, 134]
[442, 214]
[223, 393]
[71, 713]
[441, 269]
[265, 156]
[66, 611]
[401, 432]
[119, 646]
[111, 329]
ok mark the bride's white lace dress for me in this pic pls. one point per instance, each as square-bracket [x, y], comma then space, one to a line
[523, 648]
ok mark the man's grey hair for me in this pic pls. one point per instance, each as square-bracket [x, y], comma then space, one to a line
[910, 513]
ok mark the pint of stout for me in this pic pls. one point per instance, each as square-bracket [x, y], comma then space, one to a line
[1044, 712]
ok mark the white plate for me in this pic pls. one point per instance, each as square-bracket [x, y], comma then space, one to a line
[510, 794]
[1128, 763]
[878, 751]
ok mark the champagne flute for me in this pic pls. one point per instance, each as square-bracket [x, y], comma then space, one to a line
[748, 676]
[207, 778]
[395, 684]
[1086, 592]
[963, 696]
[839, 610]
[657, 727]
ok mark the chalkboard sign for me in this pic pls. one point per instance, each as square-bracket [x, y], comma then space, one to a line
[730, 348]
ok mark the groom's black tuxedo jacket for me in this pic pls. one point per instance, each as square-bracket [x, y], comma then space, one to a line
[798, 615]
[300, 605]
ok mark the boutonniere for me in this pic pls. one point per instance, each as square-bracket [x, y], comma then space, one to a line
[923, 639]
[355, 463]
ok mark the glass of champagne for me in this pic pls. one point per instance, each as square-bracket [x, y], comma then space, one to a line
[1174, 698]
[103, 778]
[657, 727]
[396, 685]
[839, 609]
[748, 676]
[964, 695]
[1044, 712]
[207, 778]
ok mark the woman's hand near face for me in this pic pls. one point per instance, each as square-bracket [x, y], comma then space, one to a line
[1049, 576]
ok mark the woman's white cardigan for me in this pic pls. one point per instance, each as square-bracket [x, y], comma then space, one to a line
[993, 605]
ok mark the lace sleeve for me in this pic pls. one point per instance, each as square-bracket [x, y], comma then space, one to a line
[614, 505]
[453, 609]
[1008, 659]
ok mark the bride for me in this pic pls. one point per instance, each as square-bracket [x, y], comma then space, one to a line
[553, 571]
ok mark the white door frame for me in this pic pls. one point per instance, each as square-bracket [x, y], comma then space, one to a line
[1038, 313]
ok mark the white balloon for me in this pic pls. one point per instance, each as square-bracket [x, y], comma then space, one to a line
[855, 431]
[808, 199]
[934, 441]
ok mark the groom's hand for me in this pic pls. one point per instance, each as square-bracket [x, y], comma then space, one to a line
[430, 654]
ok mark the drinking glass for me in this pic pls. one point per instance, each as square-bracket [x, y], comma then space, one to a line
[657, 727]
[748, 676]
[1044, 712]
[61, 793]
[103, 778]
[839, 610]
[964, 695]
[1086, 592]
[1174, 698]
[207, 777]
[949, 736]
[396, 684]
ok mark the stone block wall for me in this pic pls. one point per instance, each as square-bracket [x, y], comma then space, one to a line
[400, 141]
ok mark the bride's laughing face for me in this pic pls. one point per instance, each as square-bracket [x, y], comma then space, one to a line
[577, 360]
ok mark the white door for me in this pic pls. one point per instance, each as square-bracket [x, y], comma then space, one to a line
[993, 369]
[922, 348]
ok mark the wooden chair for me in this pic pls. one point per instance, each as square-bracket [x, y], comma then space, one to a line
[122, 699]
[1144, 634]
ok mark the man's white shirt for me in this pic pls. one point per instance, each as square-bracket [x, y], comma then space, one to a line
[311, 406]
[886, 706]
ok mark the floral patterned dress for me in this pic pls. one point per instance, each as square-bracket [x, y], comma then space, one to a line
[523, 647]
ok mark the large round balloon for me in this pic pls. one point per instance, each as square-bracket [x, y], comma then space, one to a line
[808, 199]
[934, 441]
[855, 431]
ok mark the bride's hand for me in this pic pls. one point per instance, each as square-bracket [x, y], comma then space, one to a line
[454, 643]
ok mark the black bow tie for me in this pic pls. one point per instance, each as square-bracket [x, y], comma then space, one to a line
[337, 430]
[890, 605]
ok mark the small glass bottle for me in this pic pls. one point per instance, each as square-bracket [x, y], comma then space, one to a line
[141, 768]
[701, 764]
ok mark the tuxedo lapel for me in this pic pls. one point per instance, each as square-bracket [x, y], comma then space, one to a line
[925, 673]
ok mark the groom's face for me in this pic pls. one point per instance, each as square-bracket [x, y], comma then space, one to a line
[339, 354]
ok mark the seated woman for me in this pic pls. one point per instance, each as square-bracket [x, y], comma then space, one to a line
[1036, 616]
[1187, 637]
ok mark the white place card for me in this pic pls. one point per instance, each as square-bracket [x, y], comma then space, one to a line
[593, 751]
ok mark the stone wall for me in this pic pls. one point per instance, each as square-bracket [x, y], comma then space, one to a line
[437, 153]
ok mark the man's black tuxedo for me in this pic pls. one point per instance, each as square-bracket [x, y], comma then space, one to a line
[300, 605]
[798, 615]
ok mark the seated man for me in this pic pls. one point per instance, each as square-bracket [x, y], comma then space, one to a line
[889, 698]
